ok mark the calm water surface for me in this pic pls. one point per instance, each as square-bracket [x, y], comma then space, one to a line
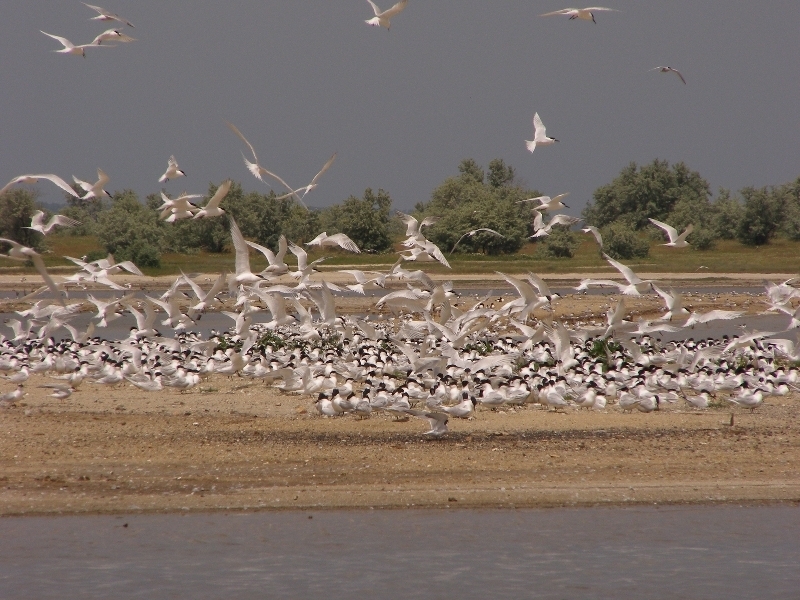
[642, 553]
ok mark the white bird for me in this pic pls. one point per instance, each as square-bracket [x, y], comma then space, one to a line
[546, 203]
[437, 421]
[37, 222]
[674, 302]
[307, 188]
[474, 232]
[382, 18]
[23, 253]
[714, 315]
[11, 397]
[337, 239]
[540, 137]
[636, 286]
[585, 14]
[414, 227]
[172, 172]
[276, 264]
[31, 179]
[70, 48]
[303, 267]
[258, 171]
[104, 15]
[543, 230]
[112, 35]
[60, 391]
[669, 70]
[94, 190]
[675, 240]
[243, 272]
[212, 209]
[595, 232]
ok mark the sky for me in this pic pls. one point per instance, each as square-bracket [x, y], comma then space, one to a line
[453, 79]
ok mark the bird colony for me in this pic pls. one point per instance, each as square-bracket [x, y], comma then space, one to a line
[431, 353]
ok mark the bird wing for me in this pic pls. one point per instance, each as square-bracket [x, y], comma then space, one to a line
[345, 242]
[62, 221]
[292, 193]
[687, 231]
[539, 131]
[395, 10]
[632, 277]
[244, 139]
[242, 253]
[671, 231]
[302, 256]
[64, 41]
[265, 251]
[325, 167]
[375, 8]
[412, 225]
[39, 264]
[563, 11]
[59, 182]
[102, 178]
[219, 195]
[678, 73]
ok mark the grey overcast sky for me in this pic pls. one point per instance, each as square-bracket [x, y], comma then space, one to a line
[452, 79]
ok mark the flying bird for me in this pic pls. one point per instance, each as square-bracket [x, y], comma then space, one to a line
[539, 135]
[94, 190]
[172, 172]
[70, 48]
[595, 232]
[337, 239]
[212, 209]
[669, 70]
[31, 179]
[307, 188]
[111, 35]
[381, 19]
[675, 240]
[104, 15]
[37, 222]
[546, 203]
[473, 232]
[585, 14]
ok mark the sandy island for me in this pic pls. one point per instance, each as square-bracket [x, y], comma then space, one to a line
[237, 444]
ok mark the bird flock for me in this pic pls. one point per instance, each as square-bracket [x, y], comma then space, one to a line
[430, 352]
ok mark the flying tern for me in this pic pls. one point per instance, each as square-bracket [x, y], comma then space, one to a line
[585, 14]
[382, 18]
[540, 137]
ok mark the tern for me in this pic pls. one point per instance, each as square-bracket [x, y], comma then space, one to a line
[243, 272]
[540, 137]
[276, 264]
[172, 172]
[104, 15]
[546, 203]
[307, 188]
[112, 35]
[37, 222]
[382, 19]
[70, 48]
[635, 285]
[337, 239]
[675, 240]
[212, 209]
[23, 253]
[414, 227]
[94, 190]
[585, 14]
[437, 421]
[31, 179]
[670, 70]
[595, 232]
[474, 232]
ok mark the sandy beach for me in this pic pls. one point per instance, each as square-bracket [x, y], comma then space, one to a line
[236, 444]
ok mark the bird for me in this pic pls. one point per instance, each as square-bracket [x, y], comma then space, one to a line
[543, 230]
[112, 35]
[104, 15]
[675, 240]
[414, 227]
[382, 18]
[337, 239]
[585, 14]
[474, 232]
[172, 172]
[37, 222]
[595, 232]
[540, 137]
[94, 190]
[212, 209]
[636, 286]
[243, 272]
[437, 421]
[546, 203]
[23, 253]
[307, 188]
[70, 48]
[31, 179]
[670, 70]
[276, 264]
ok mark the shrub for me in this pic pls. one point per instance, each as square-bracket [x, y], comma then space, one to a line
[622, 242]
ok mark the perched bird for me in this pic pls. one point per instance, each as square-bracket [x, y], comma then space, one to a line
[540, 137]
[675, 240]
[585, 14]
[31, 179]
[104, 15]
[669, 70]
[172, 172]
[37, 222]
[70, 48]
[382, 18]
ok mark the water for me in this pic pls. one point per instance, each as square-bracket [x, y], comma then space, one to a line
[653, 552]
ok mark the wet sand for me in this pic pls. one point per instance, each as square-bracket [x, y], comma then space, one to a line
[235, 444]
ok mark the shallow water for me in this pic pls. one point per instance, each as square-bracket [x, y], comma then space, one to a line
[652, 552]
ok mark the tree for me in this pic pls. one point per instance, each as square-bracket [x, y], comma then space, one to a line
[726, 214]
[132, 231]
[16, 211]
[621, 241]
[471, 201]
[761, 217]
[364, 220]
[675, 195]
[561, 243]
